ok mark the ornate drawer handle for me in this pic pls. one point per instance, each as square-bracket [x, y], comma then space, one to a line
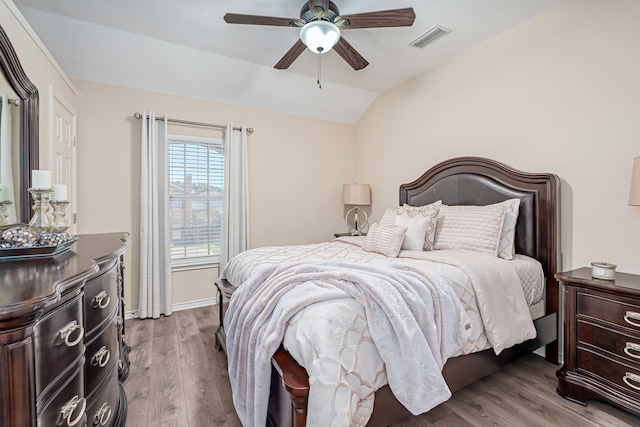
[631, 377]
[67, 331]
[101, 300]
[101, 358]
[632, 315]
[70, 407]
[103, 415]
[629, 347]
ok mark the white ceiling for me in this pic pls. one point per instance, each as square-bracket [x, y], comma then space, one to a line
[185, 47]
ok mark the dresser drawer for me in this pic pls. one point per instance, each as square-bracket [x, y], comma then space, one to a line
[104, 406]
[101, 355]
[619, 311]
[625, 376]
[58, 341]
[623, 345]
[68, 405]
[101, 296]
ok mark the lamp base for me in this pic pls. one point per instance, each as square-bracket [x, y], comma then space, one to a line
[355, 225]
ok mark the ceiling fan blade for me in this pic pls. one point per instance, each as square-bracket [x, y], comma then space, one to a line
[291, 55]
[349, 54]
[237, 18]
[384, 18]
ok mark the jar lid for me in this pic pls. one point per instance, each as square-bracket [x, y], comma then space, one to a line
[603, 265]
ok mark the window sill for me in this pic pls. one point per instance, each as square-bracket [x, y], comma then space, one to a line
[194, 266]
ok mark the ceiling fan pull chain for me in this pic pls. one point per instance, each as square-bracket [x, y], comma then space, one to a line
[319, 71]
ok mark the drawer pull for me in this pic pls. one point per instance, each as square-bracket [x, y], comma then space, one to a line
[101, 300]
[70, 407]
[632, 347]
[103, 415]
[632, 315]
[101, 358]
[67, 332]
[632, 377]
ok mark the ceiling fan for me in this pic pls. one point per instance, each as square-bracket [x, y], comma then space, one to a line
[320, 26]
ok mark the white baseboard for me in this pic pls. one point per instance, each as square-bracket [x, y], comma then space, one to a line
[178, 307]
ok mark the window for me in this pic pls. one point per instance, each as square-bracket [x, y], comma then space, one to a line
[196, 191]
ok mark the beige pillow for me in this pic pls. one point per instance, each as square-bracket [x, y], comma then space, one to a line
[385, 239]
[506, 247]
[474, 228]
[430, 211]
[427, 211]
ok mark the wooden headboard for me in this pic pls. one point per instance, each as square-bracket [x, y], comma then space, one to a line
[479, 181]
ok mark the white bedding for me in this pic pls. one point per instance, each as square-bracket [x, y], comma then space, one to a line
[332, 340]
[414, 318]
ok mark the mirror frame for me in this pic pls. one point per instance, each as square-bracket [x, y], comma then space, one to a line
[29, 111]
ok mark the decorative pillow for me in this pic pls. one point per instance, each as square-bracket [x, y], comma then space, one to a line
[416, 231]
[431, 211]
[427, 211]
[385, 239]
[389, 216]
[506, 247]
[475, 228]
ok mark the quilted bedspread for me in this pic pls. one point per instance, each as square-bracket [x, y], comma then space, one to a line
[414, 318]
[332, 339]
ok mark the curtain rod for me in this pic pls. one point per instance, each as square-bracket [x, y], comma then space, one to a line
[187, 122]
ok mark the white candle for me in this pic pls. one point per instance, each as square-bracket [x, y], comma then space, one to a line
[59, 193]
[41, 179]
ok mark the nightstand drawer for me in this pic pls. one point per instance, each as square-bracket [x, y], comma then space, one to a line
[626, 346]
[617, 311]
[624, 376]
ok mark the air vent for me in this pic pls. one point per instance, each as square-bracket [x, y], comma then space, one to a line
[430, 36]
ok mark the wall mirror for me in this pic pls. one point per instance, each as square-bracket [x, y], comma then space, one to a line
[18, 135]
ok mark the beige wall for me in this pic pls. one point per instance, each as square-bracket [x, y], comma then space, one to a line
[296, 170]
[559, 93]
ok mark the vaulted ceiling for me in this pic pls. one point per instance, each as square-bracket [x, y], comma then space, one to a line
[186, 48]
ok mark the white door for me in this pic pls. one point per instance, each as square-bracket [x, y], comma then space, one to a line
[63, 152]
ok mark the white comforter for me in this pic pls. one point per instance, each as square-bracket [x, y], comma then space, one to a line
[414, 318]
[332, 340]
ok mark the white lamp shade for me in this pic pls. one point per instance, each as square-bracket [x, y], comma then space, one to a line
[634, 197]
[356, 194]
[320, 36]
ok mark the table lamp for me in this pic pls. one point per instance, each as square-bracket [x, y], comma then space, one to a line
[356, 195]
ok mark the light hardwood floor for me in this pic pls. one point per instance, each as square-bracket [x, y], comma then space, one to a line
[179, 379]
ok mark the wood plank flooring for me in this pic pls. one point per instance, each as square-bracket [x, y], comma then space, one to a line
[178, 378]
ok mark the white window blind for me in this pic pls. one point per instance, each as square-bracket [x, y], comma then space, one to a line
[196, 191]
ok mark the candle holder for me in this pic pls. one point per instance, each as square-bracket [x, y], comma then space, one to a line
[41, 219]
[4, 211]
[60, 222]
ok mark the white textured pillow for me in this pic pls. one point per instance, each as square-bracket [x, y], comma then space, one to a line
[474, 228]
[427, 211]
[385, 239]
[416, 230]
[506, 247]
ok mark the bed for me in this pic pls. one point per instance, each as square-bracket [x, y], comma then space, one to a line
[460, 181]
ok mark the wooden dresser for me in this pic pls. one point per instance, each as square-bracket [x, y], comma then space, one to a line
[602, 339]
[62, 348]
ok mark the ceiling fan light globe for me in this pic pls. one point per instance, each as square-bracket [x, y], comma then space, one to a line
[320, 36]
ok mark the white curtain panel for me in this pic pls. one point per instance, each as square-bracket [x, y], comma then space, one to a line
[235, 219]
[6, 170]
[155, 262]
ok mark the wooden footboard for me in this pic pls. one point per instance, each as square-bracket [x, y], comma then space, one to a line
[290, 382]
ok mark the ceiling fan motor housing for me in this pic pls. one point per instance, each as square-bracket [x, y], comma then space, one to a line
[318, 12]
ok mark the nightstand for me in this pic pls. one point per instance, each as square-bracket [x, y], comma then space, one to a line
[602, 339]
[346, 234]
[225, 290]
